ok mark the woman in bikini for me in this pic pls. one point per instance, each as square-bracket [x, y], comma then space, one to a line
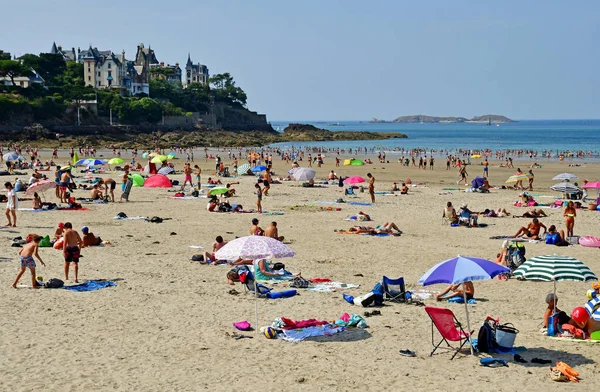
[258, 197]
[570, 215]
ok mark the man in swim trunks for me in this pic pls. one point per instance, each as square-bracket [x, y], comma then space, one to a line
[208, 257]
[63, 185]
[486, 167]
[187, 170]
[26, 257]
[109, 183]
[72, 244]
[96, 194]
[371, 187]
[532, 230]
[273, 232]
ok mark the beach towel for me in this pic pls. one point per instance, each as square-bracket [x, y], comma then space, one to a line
[189, 197]
[91, 285]
[331, 287]
[131, 218]
[32, 210]
[297, 335]
[275, 213]
[71, 209]
[358, 203]
[461, 300]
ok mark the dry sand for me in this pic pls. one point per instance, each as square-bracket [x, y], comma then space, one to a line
[165, 325]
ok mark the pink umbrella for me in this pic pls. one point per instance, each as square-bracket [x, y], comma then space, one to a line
[254, 247]
[158, 181]
[354, 180]
[592, 185]
[40, 186]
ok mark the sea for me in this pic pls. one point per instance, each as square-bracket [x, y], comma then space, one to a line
[534, 135]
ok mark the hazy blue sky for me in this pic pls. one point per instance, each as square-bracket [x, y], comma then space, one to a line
[347, 59]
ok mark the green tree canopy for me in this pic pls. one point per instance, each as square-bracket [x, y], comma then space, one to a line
[226, 90]
[48, 65]
[13, 69]
[4, 55]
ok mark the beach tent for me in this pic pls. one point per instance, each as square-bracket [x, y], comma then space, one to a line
[115, 161]
[347, 162]
[137, 180]
[158, 181]
[357, 162]
[477, 182]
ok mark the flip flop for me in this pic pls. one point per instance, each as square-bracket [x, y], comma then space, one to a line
[407, 353]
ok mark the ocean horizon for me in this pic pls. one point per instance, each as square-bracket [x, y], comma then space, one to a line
[534, 135]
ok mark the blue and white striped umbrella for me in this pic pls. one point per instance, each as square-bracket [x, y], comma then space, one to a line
[593, 308]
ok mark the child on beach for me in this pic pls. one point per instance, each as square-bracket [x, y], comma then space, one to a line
[258, 198]
[26, 256]
[71, 250]
[11, 205]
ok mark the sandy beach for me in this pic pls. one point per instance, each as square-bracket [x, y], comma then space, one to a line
[167, 324]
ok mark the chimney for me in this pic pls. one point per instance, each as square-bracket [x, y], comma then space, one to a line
[123, 56]
[162, 64]
[60, 48]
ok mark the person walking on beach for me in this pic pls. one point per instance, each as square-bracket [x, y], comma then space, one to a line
[12, 204]
[198, 176]
[431, 161]
[72, 244]
[258, 198]
[531, 177]
[486, 166]
[569, 215]
[26, 257]
[463, 174]
[371, 187]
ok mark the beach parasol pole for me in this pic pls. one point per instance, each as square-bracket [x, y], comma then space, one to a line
[468, 322]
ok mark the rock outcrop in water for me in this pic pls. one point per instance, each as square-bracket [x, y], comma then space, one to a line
[422, 118]
[310, 133]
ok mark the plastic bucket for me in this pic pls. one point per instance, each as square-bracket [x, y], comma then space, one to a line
[506, 335]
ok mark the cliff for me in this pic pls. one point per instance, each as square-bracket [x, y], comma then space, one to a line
[310, 133]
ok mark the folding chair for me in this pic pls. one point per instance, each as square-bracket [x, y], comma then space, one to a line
[449, 328]
[394, 289]
[251, 285]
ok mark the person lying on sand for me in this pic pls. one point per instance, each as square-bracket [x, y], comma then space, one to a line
[89, 239]
[386, 228]
[535, 213]
[532, 230]
[457, 291]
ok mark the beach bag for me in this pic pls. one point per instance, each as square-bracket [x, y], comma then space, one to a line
[506, 335]
[486, 338]
[122, 215]
[54, 284]
[198, 258]
[45, 242]
[278, 266]
[552, 325]
[365, 300]
[195, 193]
[156, 219]
[516, 254]
[300, 283]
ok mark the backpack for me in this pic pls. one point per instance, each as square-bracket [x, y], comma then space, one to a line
[198, 258]
[195, 193]
[486, 338]
[122, 215]
[300, 283]
[516, 254]
[156, 219]
[54, 284]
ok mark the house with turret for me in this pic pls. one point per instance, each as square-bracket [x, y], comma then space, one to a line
[103, 69]
[67, 55]
[195, 73]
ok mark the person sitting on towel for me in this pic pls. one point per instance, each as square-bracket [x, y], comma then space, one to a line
[404, 189]
[263, 271]
[457, 291]
[395, 188]
[89, 239]
[552, 300]
[450, 213]
[532, 230]
[96, 194]
[271, 231]
[219, 243]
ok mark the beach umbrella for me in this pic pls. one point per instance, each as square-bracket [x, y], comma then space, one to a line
[304, 174]
[75, 158]
[554, 268]
[459, 270]
[593, 185]
[477, 182]
[81, 162]
[293, 170]
[159, 159]
[254, 247]
[166, 170]
[518, 177]
[354, 180]
[171, 154]
[564, 187]
[218, 190]
[476, 156]
[593, 308]
[40, 186]
[258, 169]
[11, 156]
[94, 162]
[243, 169]
[115, 161]
[170, 157]
[137, 179]
[565, 177]
[158, 181]
[356, 162]
[145, 155]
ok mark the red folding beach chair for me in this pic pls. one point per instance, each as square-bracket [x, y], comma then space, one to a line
[448, 327]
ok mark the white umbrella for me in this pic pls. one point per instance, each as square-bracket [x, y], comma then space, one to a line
[565, 177]
[565, 187]
[11, 156]
[254, 248]
[304, 174]
[166, 170]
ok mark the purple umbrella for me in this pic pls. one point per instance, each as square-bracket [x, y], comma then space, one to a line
[460, 270]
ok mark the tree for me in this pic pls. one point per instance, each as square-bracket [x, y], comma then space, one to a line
[13, 69]
[227, 91]
[48, 65]
[4, 55]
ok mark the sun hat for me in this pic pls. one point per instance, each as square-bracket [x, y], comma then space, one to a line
[61, 225]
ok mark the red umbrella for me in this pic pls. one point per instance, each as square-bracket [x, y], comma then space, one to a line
[354, 180]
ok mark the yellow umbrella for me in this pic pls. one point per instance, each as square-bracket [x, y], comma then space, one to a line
[159, 159]
[115, 161]
[476, 156]
[518, 177]
[153, 154]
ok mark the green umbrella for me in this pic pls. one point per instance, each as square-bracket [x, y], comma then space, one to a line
[218, 191]
[115, 161]
[357, 162]
[159, 159]
[137, 180]
[243, 169]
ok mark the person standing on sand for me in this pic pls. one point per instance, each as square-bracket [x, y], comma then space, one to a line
[72, 244]
[198, 176]
[26, 257]
[187, 170]
[109, 187]
[371, 187]
[124, 179]
[258, 198]
[486, 167]
[11, 205]
[531, 178]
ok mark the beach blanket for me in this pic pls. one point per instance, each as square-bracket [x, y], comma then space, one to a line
[574, 340]
[131, 218]
[297, 335]
[54, 209]
[189, 197]
[275, 213]
[32, 210]
[358, 203]
[91, 285]
[331, 287]
[461, 300]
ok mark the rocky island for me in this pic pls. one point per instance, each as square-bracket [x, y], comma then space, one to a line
[422, 118]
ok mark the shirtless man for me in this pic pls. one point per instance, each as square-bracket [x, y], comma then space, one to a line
[219, 243]
[457, 291]
[96, 194]
[371, 187]
[532, 230]
[255, 229]
[109, 187]
[72, 244]
[187, 170]
[64, 185]
[271, 231]
[26, 257]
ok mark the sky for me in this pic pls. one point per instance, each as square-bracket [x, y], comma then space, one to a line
[351, 60]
